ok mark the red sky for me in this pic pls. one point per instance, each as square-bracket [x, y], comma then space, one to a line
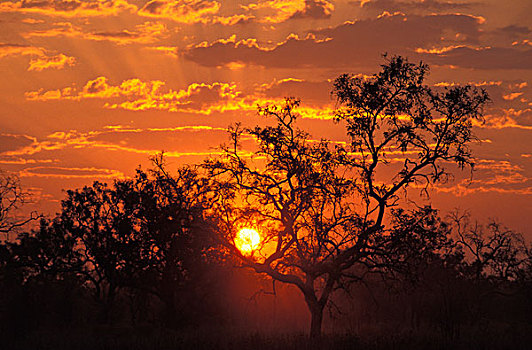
[91, 89]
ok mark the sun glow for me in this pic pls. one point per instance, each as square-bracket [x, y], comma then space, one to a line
[247, 240]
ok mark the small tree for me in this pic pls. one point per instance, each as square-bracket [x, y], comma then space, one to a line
[320, 208]
[12, 197]
[492, 252]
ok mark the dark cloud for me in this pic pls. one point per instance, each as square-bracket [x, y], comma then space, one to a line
[153, 6]
[515, 30]
[10, 142]
[349, 45]
[426, 5]
[57, 5]
[117, 35]
[523, 117]
[483, 58]
[308, 92]
[315, 9]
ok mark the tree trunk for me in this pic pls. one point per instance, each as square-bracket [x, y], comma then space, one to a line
[316, 318]
[316, 314]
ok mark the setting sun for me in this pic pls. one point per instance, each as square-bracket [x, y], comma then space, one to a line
[247, 240]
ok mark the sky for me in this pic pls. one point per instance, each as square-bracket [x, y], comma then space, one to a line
[90, 90]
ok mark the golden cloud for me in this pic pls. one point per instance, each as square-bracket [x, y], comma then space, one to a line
[151, 90]
[196, 98]
[43, 59]
[56, 62]
[147, 32]
[182, 11]
[32, 21]
[502, 122]
[68, 8]
[140, 95]
[232, 20]
[25, 161]
[439, 50]
[480, 83]
[24, 50]
[69, 173]
[512, 96]
[206, 11]
[276, 11]
[167, 50]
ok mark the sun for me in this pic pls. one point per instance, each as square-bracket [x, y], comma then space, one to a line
[247, 240]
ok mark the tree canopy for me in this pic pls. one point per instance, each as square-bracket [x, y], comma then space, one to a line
[321, 206]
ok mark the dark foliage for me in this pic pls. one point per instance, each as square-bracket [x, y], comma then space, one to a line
[139, 249]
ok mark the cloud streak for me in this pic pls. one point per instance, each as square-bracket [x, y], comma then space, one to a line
[68, 8]
[196, 98]
[423, 5]
[483, 58]
[71, 172]
[181, 141]
[144, 33]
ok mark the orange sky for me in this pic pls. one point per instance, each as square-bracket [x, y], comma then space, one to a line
[91, 89]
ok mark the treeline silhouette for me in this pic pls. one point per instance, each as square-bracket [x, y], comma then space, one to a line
[158, 251]
[142, 252]
[135, 243]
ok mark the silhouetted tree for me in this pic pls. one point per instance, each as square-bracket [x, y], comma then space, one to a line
[491, 252]
[321, 207]
[103, 229]
[417, 240]
[30, 262]
[48, 252]
[145, 234]
[173, 259]
[12, 197]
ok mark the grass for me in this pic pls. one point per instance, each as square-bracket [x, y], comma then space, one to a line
[147, 338]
